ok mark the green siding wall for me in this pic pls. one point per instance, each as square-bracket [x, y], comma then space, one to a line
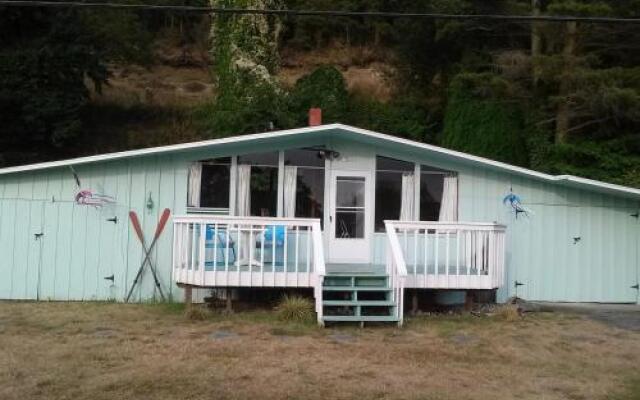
[80, 247]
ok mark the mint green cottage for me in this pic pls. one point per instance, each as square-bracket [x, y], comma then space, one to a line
[361, 219]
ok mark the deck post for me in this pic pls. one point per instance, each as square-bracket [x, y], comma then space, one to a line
[188, 296]
[469, 299]
[228, 301]
[414, 302]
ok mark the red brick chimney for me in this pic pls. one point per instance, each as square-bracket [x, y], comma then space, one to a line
[315, 116]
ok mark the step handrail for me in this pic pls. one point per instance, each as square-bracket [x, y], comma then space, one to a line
[396, 269]
[319, 268]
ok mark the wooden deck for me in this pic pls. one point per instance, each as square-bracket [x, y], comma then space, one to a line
[223, 251]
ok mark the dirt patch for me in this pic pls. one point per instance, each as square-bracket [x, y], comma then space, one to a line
[107, 351]
[158, 85]
[368, 72]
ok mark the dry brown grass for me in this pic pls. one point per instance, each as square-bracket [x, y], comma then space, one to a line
[508, 312]
[115, 351]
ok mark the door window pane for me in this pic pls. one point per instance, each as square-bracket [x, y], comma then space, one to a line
[350, 191]
[350, 211]
[350, 224]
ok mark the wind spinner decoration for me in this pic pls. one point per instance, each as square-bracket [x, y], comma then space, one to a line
[88, 197]
[513, 200]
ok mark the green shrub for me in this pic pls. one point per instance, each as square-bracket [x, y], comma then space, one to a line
[480, 120]
[325, 88]
[295, 309]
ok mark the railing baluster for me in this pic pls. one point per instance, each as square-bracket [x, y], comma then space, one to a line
[457, 253]
[479, 251]
[446, 263]
[406, 246]
[263, 229]
[285, 253]
[426, 255]
[215, 236]
[436, 253]
[296, 259]
[308, 246]
[240, 255]
[202, 256]
[193, 247]
[251, 250]
[273, 253]
[415, 252]
[226, 248]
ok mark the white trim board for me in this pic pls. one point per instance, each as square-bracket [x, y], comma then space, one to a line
[324, 129]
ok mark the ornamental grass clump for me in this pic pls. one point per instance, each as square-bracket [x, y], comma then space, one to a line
[295, 309]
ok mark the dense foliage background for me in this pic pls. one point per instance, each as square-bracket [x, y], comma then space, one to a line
[556, 97]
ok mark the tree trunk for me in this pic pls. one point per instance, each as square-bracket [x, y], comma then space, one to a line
[563, 114]
[536, 43]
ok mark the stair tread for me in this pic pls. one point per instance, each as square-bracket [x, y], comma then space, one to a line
[361, 318]
[358, 303]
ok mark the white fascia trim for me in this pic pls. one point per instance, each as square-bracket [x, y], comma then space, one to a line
[493, 163]
[289, 132]
[163, 149]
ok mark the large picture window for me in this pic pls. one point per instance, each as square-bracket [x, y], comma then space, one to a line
[308, 167]
[215, 183]
[430, 195]
[263, 183]
[389, 174]
[438, 194]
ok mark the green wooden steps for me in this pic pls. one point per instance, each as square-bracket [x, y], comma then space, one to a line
[358, 298]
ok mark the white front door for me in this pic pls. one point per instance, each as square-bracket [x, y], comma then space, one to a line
[350, 217]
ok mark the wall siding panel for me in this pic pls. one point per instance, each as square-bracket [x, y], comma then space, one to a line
[80, 247]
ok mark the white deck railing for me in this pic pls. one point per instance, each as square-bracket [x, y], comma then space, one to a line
[396, 270]
[450, 255]
[224, 251]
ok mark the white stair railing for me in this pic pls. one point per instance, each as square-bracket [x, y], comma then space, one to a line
[226, 251]
[320, 269]
[451, 255]
[396, 270]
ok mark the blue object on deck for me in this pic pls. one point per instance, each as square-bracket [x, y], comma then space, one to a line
[217, 239]
[279, 231]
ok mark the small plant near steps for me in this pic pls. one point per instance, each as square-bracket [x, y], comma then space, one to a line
[358, 298]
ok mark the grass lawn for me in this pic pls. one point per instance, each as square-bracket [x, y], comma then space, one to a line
[117, 351]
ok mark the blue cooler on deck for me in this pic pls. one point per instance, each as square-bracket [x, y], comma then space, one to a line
[217, 239]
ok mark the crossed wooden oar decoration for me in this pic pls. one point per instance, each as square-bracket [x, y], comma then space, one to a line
[147, 258]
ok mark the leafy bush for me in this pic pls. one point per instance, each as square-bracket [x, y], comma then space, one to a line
[295, 309]
[406, 118]
[325, 88]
